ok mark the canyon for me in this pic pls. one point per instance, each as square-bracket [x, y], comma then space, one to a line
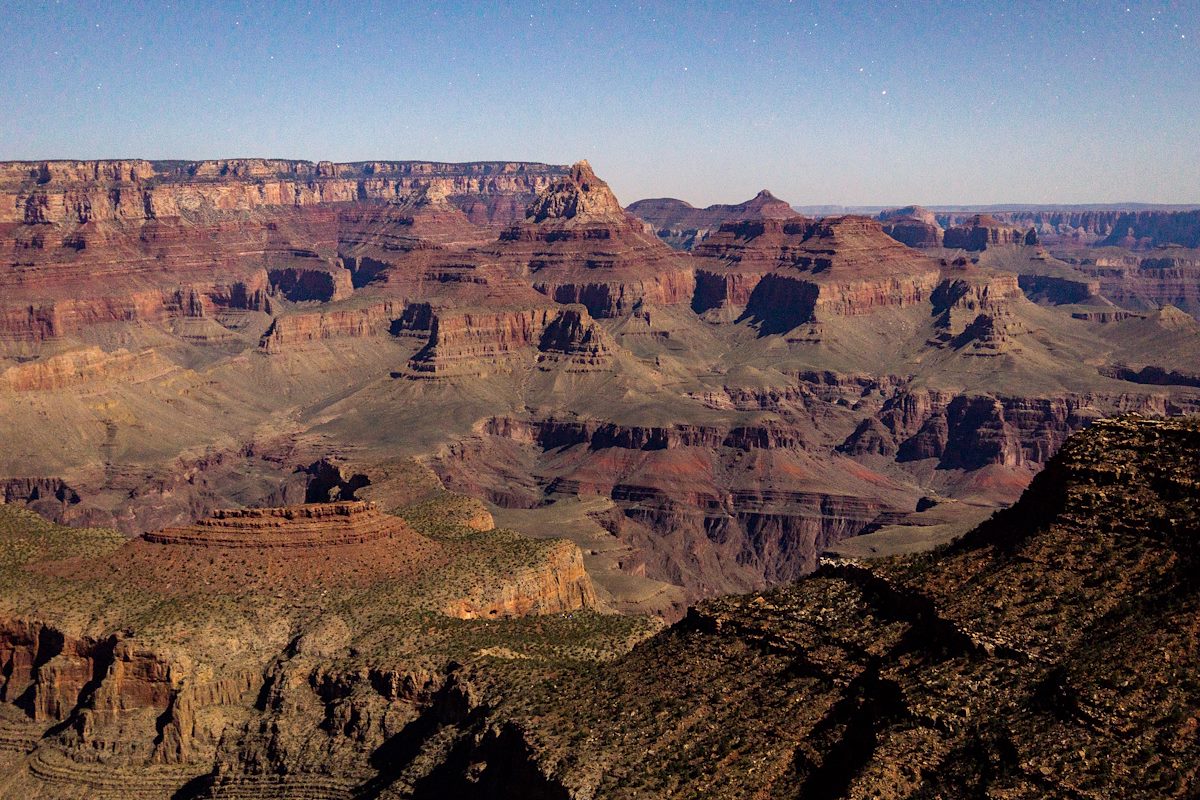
[340, 480]
[703, 400]
[334, 650]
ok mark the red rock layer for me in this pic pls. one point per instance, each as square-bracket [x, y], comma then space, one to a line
[983, 230]
[789, 272]
[1168, 276]
[577, 245]
[293, 329]
[83, 191]
[317, 525]
[473, 341]
[93, 242]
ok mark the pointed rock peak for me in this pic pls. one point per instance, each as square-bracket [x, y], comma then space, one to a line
[768, 206]
[581, 173]
[578, 194]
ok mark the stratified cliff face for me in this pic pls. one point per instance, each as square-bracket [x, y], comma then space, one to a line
[787, 273]
[85, 191]
[683, 226]
[1145, 281]
[1137, 228]
[983, 231]
[475, 342]
[577, 245]
[913, 226]
[169, 240]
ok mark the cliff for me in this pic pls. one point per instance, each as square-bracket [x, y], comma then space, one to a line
[789, 273]
[83, 191]
[474, 342]
[577, 245]
[983, 231]
[682, 225]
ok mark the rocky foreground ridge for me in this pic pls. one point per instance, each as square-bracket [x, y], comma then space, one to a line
[1047, 653]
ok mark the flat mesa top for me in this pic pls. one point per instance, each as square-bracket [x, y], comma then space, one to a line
[309, 525]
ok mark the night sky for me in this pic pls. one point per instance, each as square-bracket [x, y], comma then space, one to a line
[851, 103]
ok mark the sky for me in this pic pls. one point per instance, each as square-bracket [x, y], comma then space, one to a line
[852, 103]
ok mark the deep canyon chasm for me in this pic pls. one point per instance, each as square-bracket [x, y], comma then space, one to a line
[519, 409]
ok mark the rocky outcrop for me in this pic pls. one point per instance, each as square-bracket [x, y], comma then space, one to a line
[86, 191]
[913, 226]
[1144, 229]
[983, 231]
[1170, 276]
[473, 342]
[975, 313]
[154, 241]
[577, 245]
[316, 525]
[293, 329]
[798, 270]
[683, 226]
[86, 368]
[557, 585]
[973, 431]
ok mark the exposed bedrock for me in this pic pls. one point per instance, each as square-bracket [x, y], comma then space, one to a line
[294, 328]
[696, 503]
[1059, 290]
[973, 431]
[577, 245]
[82, 191]
[683, 226]
[617, 298]
[114, 700]
[463, 341]
[983, 231]
[789, 272]
[320, 284]
[913, 226]
[1147, 282]
[914, 232]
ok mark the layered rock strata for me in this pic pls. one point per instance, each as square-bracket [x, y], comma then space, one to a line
[683, 226]
[293, 526]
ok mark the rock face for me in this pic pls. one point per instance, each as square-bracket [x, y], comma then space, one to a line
[1166, 277]
[172, 240]
[789, 273]
[475, 342]
[682, 225]
[315, 525]
[1118, 227]
[577, 245]
[983, 231]
[913, 226]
